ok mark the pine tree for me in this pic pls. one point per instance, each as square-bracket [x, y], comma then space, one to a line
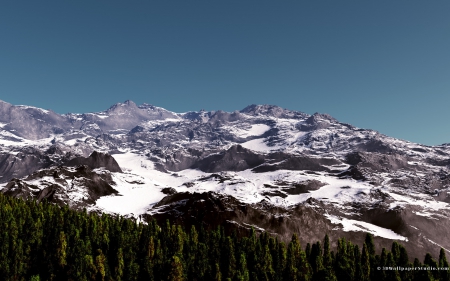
[328, 260]
[429, 261]
[365, 264]
[316, 251]
[176, 272]
[4, 255]
[118, 270]
[395, 250]
[100, 265]
[297, 266]
[228, 259]
[242, 271]
[308, 252]
[344, 269]
[76, 264]
[201, 267]
[217, 273]
[421, 275]
[357, 263]
[403, 261]
[291, 271]
[391, 275]
[444, 274]
[281, 260]
[62, 250]
[91, 269]
[267, 270]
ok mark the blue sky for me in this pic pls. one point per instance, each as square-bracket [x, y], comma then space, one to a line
[383, 65]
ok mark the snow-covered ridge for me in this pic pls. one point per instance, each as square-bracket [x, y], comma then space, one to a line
[34, 108]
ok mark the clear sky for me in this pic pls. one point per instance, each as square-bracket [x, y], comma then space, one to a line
[383, 65]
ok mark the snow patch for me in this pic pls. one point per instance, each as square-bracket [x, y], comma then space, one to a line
[136, 195]
[254, 130]
[354, 225]
[427, 202]
[259, 145]
[432, 242]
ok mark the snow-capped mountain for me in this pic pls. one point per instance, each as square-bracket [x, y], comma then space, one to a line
[265, 167]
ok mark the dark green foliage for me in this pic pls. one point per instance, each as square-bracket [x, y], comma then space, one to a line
[429, 261]
[365, 264]
[47, 242]
[444, 274]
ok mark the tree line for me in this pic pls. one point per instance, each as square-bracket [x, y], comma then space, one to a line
[42, 241]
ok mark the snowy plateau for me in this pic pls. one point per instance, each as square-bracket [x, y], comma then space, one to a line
[265, 167]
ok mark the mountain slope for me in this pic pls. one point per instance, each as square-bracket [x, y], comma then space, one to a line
[272, 168]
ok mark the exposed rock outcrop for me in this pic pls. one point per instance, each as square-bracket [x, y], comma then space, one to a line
[96, 160]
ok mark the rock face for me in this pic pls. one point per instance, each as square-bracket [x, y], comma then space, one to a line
[210, 210]
[96, 160]
[22, 163]
[34, 123]
[78, 187]
[236, 158]
[266, 167]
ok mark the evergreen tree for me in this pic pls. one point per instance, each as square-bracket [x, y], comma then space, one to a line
[328, 261]
[4, 255]
[176, 272]
[217, 273]
[316, 251]
[267, 271]
[391, 275]
[403, 261]
[62, 250]
[242, 272]
[280, 260]
[444, 274]
[358, 275]
[344, 269]
[421, 275]
[297, 266]
[365, 264]
[118, 270]
[228, 259]
[291, 271]
[91, 269]
[395, 250]
[308, 252]
[430, 262]
[202, 267]
[100, 265]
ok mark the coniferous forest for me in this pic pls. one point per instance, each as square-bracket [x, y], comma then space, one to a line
[41, 241]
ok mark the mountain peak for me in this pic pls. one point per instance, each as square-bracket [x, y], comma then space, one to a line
[146, 105]
[272, 110]
[321, 116]
[130, 103]
[119, 107]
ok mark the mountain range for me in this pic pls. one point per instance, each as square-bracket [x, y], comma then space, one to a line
[273, 169]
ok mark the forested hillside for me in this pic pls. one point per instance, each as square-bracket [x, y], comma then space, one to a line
[41, 241]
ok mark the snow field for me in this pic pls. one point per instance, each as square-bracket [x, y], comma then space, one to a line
[246, 186]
